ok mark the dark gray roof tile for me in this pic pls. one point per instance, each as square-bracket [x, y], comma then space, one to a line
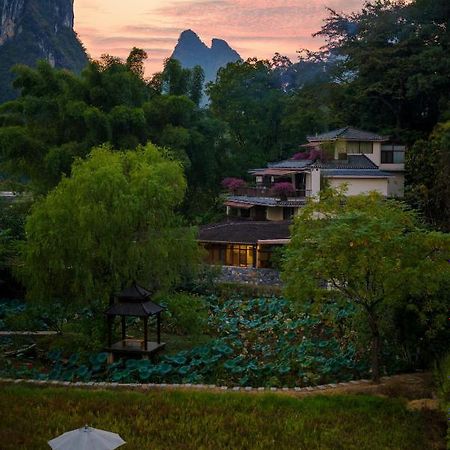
[347, 133]
[352, 162]
[265, 201]
[355, 173]
[244, 232]
[291, 164]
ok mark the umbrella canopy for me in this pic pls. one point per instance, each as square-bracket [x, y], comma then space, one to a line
[87, 438]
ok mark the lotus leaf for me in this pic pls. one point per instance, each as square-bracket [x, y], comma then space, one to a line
[74, 359]
[54, 355]
[101, 357]
[82, 371]
[177, 359]
[184, 370]
[145, 373]
[163, 369]
[223, 348]
[132, 364]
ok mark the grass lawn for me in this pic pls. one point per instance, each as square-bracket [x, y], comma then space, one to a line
[29, 416]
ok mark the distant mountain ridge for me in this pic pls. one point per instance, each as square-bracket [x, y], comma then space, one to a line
[191, 51]
[31, 30]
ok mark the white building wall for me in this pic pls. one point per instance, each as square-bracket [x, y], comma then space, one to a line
[375, 157]
[357, 186]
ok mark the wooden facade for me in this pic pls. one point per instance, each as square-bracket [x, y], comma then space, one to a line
[240, 255]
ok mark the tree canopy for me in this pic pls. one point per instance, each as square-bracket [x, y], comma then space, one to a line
[110, 223]
[372, 253]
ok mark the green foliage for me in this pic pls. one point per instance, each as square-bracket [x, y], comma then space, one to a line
[428, 166]
[110, 223]
[373, 253]
[186, 314]
[245, 96]
[18, 316]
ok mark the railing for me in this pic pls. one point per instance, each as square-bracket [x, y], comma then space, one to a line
[258, 191]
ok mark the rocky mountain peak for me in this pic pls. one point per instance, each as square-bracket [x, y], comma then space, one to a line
[31, 30]
[192, 51]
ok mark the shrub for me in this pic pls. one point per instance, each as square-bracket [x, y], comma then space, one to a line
[283, 188]
[185, 314]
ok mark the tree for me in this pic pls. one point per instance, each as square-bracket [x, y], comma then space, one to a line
[392, 63]
[176, 79]
[428, 182]
[196, 85]
[247, 97]
[135, 61]
[111, 223]
[370, 252]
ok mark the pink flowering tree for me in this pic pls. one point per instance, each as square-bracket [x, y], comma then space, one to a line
[300, 156]
[231, 184]
[324, 152]
[283, 189]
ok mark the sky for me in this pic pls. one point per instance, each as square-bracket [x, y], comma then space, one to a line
[252, 27]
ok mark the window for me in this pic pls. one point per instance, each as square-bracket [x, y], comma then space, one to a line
[240, 255]
[392, 154]
[359, 147]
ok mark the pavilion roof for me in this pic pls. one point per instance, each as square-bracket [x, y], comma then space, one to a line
[134, 309]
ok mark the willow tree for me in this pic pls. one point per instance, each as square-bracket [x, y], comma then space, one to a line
[111, 223]
[371, 252]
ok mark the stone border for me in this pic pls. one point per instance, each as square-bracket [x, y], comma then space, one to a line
[163, 386]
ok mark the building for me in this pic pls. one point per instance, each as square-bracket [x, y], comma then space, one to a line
[259, 215]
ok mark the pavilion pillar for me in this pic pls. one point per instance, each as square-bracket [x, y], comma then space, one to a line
[145, 333]
[158, 327]
[254, 256]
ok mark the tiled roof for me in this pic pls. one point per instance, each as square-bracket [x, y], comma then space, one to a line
[348, 133]
[244, 232]
[355, 173]
[352, 162]
[291, 164]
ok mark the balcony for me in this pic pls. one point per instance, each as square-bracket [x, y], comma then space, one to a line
[262, 191]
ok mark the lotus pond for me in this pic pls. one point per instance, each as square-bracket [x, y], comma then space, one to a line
[254, 342]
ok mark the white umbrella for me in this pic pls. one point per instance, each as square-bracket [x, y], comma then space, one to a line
[87, 438]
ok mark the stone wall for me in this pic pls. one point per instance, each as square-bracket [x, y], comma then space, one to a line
[249, 275]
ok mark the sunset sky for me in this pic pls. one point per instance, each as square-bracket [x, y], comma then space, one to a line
[252, 27]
